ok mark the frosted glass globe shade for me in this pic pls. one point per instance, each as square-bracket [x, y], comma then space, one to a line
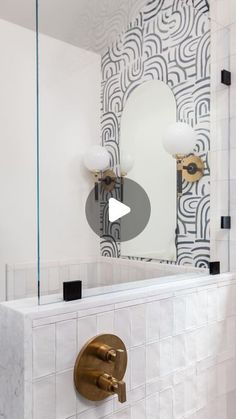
[126, 162]
[96, 158]
[180, 138]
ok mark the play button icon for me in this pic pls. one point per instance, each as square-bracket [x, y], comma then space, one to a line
[121, 213]
[117, 210]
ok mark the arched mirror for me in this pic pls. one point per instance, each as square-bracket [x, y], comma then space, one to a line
[150, 109]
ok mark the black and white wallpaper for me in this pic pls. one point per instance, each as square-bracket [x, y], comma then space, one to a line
[168, 41]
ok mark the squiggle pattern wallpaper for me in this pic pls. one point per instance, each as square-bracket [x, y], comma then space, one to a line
[168, 41]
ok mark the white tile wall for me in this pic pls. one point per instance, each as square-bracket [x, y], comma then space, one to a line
[223, 144]
[186, 371]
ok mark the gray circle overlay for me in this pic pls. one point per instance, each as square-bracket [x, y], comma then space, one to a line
[129, 226]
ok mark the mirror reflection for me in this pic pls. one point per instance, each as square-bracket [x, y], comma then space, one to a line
[149, 111]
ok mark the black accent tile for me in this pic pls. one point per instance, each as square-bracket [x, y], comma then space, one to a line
[226, 223]
[214, 268]
[226, 77]
[72, 290]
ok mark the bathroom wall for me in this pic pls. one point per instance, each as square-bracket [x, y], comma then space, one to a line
[169, 41]
[70, 102]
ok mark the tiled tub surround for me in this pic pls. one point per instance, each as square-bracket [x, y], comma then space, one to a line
[98, 275]
[181, 340]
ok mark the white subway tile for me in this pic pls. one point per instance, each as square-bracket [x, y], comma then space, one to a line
[153, 321]
[212, 305]
[179, 352]
[202, 413]
[211, 383]
[221, 379]
[153, 406]
[201, 390]
[101, 410]
[44, 398]
[105, 322]
[83, 405]
[138, 366]
[190, 393]
[223, 299]
[123, 414]
[191, 311]
[231, 405]
[179, 400]
[138, 324]
[137, 394]
[179, 314]
[152, 361]
[138, 411]
[202, 338]
[166, 318]
[202, 308]
[230, 375]
[231, 332]
[222, 337]
[122, 325]
[65, 395]
[66, 344]
[166, 356]
[87, 329]
[166, 404]
[44, 351]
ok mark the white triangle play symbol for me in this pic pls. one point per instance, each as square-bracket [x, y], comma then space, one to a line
[117, 210]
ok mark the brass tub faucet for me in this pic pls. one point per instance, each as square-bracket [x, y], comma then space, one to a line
[100, 368]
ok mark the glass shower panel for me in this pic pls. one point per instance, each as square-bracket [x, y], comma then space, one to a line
[18, 236]
[87, 68]
[69, 122]
[220, 145]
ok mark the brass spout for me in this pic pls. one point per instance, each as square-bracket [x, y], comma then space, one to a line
[112, 385]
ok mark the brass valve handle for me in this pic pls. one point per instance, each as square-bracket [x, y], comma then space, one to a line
[111, 385]
[108, 354]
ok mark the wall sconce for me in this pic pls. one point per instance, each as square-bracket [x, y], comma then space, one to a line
[179, 141]
[97, 160]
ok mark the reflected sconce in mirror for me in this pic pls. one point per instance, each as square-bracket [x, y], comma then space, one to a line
[126, 163]
[179, 141]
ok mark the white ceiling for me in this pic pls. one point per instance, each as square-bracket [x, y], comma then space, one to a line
[90, 24]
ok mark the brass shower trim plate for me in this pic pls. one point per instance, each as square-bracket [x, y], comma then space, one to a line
[193, 168]
[102, 357]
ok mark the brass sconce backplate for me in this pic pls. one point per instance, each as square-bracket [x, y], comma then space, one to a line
[108, 180]
[193, 168]
[100, 368]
